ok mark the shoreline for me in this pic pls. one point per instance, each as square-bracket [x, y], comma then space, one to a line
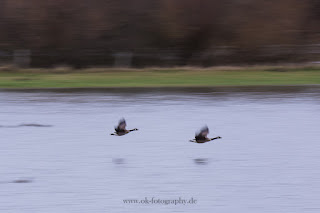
[196, 89]
[104, 78]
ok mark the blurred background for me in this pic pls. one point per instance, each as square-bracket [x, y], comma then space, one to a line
[83, 33]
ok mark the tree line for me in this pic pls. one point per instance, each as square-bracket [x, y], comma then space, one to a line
[161, 32]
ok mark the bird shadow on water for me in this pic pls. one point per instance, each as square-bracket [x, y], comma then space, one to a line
[118, 161]
[25, 125]
[201, 161]
[21, 180]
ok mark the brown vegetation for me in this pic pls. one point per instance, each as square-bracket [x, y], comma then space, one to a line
[161, 32]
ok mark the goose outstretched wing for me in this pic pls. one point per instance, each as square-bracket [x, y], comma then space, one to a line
[204, 131]
[121, 125]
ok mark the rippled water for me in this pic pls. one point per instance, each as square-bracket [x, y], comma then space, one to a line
[268, 159]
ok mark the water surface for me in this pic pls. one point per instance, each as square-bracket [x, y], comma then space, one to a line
[268, 159]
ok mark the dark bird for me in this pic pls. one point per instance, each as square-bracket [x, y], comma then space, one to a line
[201, 136]
[121, 128]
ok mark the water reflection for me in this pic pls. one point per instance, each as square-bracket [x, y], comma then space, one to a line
[201, 161]
[22, 181]
[118, 160]
[25, 125]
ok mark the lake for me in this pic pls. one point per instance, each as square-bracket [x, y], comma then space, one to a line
[57, 154]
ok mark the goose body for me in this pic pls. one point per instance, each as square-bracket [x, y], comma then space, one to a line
[202, 136]
[121, 128]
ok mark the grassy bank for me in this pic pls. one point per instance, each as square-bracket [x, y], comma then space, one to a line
[158, 77]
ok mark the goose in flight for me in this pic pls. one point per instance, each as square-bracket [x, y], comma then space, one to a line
[121, 128]
[201, 136]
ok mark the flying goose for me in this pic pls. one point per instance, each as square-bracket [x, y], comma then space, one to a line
[121, 128]
[201, 136]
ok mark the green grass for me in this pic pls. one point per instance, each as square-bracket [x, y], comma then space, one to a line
[157, 77]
